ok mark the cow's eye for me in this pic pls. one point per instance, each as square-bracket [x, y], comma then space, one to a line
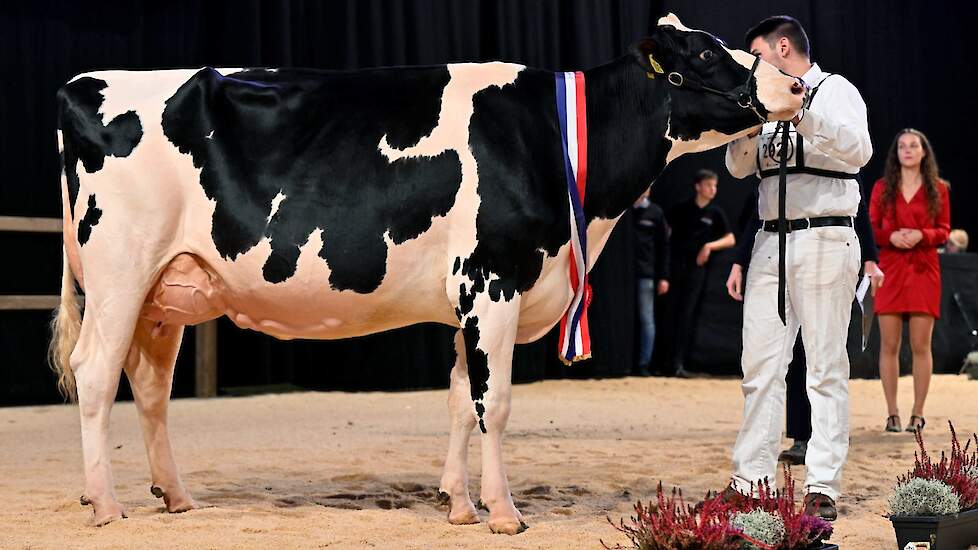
[706, 55]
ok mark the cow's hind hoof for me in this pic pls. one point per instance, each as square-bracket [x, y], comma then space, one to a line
[178, 507]
[108, 515]
[508, 527]
[175, 504]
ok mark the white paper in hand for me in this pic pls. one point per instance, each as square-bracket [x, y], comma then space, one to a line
[861, 291]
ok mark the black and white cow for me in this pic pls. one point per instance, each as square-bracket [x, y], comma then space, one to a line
[321, 204]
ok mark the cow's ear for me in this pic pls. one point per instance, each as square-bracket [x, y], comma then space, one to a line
[650, 53]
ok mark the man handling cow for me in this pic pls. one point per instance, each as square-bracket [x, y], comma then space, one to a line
[828, 142]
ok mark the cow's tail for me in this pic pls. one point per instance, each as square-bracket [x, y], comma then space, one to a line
[65, 328]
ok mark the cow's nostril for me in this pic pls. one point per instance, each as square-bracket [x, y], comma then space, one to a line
[797, 89]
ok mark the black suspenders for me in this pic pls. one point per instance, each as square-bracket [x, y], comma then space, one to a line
[799, 167]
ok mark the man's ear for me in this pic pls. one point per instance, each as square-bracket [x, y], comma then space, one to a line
[650, 52]
[784, 46]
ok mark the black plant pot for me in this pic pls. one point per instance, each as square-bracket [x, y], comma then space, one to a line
[956, 532]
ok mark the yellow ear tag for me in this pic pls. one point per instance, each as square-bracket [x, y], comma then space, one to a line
[655, 65]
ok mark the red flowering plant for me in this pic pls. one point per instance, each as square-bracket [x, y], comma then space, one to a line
[801, 530]
[958, 470]
[671, 524]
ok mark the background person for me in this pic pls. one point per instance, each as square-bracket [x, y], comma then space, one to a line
[957, 242]
[651, 272]
[911, 216]
[699, 228]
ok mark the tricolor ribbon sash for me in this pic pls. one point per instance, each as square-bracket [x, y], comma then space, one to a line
[575, 337]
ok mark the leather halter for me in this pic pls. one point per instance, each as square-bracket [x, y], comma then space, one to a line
[743, 95]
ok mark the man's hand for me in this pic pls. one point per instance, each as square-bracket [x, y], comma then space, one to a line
[663, 287]
[798, 116]
[734, 282]
[875, 275]
[703, 256]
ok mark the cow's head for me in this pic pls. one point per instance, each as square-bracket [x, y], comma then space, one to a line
[714, 95]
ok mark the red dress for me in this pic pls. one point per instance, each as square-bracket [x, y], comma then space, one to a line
[912, 282]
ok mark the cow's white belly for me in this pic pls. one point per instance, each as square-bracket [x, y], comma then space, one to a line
[198, 285]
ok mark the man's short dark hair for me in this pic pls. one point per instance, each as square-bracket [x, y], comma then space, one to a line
[774, 28]
[704, 174]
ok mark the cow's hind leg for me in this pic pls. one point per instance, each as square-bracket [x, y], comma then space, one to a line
[490, 333]
[455, 480]
[96, 362]
[149, 367]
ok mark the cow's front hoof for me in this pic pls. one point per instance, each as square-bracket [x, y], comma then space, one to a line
[507, 526]
[463, 517]
[460, 509]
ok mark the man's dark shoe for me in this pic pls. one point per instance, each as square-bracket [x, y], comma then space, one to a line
[732, 496]
[728, 496]
[681, 372]
[794, 455]
[820, 505]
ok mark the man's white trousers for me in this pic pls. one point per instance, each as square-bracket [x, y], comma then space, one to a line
[821, 268]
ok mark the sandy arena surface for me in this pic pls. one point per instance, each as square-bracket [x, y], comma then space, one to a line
[337, 470]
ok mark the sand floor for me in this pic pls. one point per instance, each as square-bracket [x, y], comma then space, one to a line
[338, 470]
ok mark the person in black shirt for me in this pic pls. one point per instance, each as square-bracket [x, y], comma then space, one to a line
[651, 272]
[799, 409]
[699, 228]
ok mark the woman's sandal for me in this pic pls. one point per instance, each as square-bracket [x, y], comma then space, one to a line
[913, 426]
[893, 423]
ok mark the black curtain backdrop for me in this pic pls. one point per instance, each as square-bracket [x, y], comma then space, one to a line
[908, 58]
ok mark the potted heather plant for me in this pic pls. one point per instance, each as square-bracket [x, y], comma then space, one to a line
[772, 522]
[937, 502]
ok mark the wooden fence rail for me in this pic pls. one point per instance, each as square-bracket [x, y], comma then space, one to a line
[206, 333]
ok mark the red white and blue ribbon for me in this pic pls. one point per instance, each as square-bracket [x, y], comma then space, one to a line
[575, 337]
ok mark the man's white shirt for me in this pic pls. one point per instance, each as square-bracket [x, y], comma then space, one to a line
[836, 135]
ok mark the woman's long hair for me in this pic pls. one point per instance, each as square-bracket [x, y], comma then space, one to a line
[928, 173]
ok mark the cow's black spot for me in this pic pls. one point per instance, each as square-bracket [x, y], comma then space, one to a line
[477, 363]
[89, 220]
[466, 300]
[523, 214]
[480, 410]
[457, 265]
[313, 136]
[476, 275]
[85, 137]
[500, 288]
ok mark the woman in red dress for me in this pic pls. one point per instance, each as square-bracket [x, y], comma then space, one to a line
[910, 214]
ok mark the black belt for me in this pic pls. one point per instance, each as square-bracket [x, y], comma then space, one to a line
[813, 171]
[771, 226]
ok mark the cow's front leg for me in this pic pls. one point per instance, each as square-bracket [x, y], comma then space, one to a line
[455, 480]
[490, 333]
